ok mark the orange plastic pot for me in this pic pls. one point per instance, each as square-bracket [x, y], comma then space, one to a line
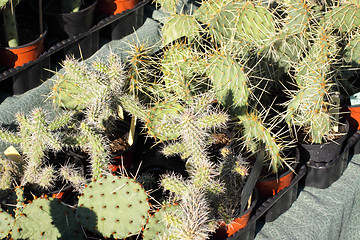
[226, 230]
[268, 187]
[113, 7]
[18, 56]
[354, 117]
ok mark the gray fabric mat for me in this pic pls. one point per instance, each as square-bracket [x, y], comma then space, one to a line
[326, 214]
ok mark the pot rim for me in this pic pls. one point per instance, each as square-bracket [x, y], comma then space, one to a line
[38, 39]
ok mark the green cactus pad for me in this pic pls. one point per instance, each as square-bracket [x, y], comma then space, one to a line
[159, 124]
[7, 222]
[252, 24]
[178, 26]
[344, 18]
[299, 15]
[352, 51]
[46, 219]
[113, 206]
[229, 81]
[157, 226]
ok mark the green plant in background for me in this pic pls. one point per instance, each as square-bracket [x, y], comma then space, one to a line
[36, 134]
[113, 206]
[321, 73]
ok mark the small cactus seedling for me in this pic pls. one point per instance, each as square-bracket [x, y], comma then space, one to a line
[113, 206]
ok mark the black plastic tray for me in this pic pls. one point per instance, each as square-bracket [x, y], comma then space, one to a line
[272, 208]
[323, 176]
[129, 21]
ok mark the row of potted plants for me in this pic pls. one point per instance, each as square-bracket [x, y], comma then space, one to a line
[238, 86]
[43, 25]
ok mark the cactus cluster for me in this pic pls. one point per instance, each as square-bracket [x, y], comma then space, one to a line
[41, 218]
[112, 206]
[36, 135]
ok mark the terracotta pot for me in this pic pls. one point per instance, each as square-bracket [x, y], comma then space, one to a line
[12, 57]
[113, 7]
[268, 187]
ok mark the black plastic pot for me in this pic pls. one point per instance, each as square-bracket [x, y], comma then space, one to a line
[132, 19]
[66, 25]
[124, 158]
[33, 74]
[320, 154]
[272, 208]
[55, 53]
[328, 172]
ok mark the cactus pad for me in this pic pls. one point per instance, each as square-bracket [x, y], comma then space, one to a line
[46, 219]
[158, 226]
[178, 26]
[7, 222]
[113, 206]
[229, 81]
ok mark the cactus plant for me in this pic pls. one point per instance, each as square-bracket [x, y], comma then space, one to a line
[158, 224]
[56, 221]
[36, 135]
[113, 206]
[53, 219]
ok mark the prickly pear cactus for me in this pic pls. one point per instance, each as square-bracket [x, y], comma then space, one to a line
[158, 224]
[352, 51]
[229, 81]
[6, 223]
[245, 22]
[178, 26]
[113, 206]
[344, 18]
[46, 219]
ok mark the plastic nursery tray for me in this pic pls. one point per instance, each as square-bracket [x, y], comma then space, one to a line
[38, 69]
[323, 176]
[356, 148]
[272, 208]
